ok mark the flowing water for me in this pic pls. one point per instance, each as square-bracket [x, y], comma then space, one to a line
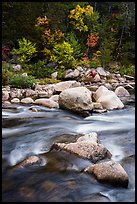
[59, 176]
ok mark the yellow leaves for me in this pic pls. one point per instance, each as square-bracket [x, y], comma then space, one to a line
[78, 15]
[78, 11]
[88, 10]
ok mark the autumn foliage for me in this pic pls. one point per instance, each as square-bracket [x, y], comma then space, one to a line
[92, 40]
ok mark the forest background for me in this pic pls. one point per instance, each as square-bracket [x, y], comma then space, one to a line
[45, 37]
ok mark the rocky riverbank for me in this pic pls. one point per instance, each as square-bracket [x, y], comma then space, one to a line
[83, 90]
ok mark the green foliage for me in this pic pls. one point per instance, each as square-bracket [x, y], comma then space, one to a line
[106, 50]
[128, 53]
[7, 72]
[107, 41]
[71, 22]
[7, 66]
[77, 50]
[62, 54]
[20, 81]
[47, 81]
[93, 22]
[6, 75]
[127, 69]
[26, 50]
[39, 69]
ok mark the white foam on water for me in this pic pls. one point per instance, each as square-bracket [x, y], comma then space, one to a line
[115, 150]
[23, 150]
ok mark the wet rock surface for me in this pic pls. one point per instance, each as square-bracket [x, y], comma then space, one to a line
[109, 172]
[87, 147]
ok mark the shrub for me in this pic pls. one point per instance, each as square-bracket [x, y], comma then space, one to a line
[40, 69]
[26, 50]
[7, 72]
[62, 54]
[6, 75]
[20, 81]
[77, 50]
[128, 70]
[7, 66]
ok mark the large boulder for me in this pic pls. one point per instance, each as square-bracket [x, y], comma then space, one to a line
[108, 99]
[61, 86]
[87, 147]
[109, 172]
[76, 99]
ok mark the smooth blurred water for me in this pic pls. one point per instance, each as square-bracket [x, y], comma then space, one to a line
[59, 178]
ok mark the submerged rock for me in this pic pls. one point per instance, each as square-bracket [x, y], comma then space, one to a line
[109, 172]
[87, 147]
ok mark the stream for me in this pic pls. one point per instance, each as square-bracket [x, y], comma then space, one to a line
[59, 178]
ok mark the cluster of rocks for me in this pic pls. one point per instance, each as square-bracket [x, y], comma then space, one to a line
[89, 147]
[88, 93]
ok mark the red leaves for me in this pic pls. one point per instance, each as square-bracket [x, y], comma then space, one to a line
[92, 40]
[92, 73]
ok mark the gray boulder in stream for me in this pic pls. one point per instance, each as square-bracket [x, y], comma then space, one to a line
[76, 99]
[87, 147]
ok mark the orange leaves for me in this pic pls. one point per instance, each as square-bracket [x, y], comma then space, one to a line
[92, 40]
[85, 58]
[47, 34]
[59, 34]
[42, 21]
